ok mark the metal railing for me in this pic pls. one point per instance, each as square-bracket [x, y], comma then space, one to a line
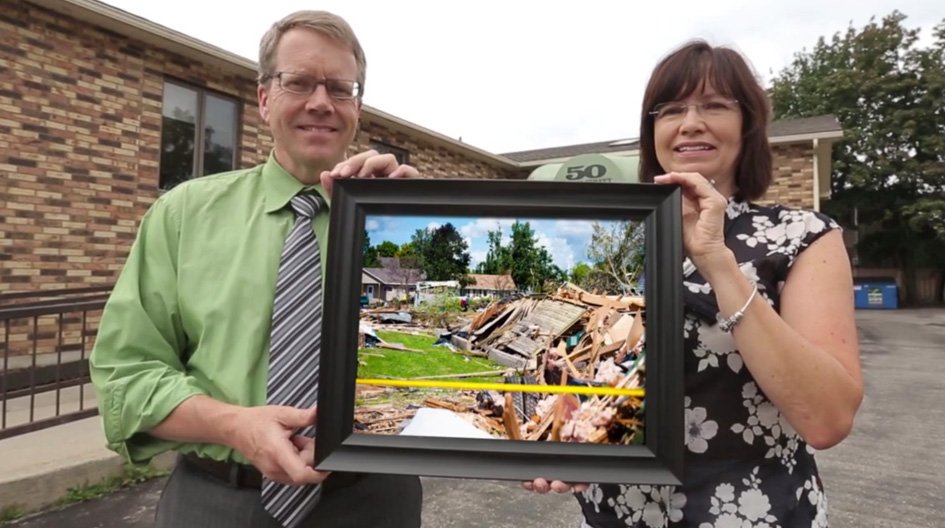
[46, 341]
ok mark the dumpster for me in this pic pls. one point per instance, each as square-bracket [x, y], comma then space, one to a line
[880, 293]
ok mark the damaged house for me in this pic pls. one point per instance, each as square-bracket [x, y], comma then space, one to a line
[391, 282]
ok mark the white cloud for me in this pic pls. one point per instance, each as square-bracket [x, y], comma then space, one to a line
[574, 228]
[475, 257]
[562, 254]
[482, 226]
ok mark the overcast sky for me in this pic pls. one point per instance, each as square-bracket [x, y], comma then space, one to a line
[518, 74]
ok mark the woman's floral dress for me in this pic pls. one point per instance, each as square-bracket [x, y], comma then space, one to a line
[745, 466]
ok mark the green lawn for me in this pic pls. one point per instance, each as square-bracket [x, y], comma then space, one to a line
[432, 361]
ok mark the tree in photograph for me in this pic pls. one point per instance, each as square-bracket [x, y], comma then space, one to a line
[444, 253]
[617, 251]
[368, 253]
[524, 257]
[549, 276]
[387, 249]
[580, 273]
[889, 171]
[408, 256]
[465, 282]
[498, 259]
[530, 264]
[403, 274]
[419, 245]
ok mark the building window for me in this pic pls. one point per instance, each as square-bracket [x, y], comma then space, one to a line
[199, 132]
[402, 155]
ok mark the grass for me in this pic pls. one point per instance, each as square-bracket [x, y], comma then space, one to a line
[432, 361]
[129, 476]
[11, 512]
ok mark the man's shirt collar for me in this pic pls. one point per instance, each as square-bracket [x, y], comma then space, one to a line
[279, 186]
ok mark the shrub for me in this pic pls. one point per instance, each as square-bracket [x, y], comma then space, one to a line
[442, 310]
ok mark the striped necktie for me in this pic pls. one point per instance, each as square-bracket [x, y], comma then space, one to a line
[295, 340]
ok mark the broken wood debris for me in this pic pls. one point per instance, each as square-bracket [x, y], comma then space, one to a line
[572, 338]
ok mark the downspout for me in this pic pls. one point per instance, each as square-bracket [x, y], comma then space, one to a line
[816, 175]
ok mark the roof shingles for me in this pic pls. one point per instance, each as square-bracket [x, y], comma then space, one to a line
[780, 128]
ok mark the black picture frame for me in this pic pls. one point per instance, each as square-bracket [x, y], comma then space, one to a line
[658, 460]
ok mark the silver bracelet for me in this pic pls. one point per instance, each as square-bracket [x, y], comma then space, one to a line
[726, 325]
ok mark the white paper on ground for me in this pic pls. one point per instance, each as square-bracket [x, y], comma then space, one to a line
[442, 422]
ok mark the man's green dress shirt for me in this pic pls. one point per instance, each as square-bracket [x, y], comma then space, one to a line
[190, 313]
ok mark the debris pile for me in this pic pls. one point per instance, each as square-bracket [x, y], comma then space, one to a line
[580, 344]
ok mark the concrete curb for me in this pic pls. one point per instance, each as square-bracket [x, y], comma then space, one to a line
[37, 469]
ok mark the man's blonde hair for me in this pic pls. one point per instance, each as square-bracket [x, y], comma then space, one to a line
[322, 22]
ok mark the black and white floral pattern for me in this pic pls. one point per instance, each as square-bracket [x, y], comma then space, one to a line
[699, 429]
[746, 467]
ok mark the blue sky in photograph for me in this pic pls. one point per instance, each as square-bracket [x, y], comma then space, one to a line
[566, 240]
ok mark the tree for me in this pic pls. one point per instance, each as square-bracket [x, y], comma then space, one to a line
[617, 251]
[418, 247]
[402, 273]
[444, 253]
[525, 257]
[889, 172]
[216, 157]
[530, 264]
[579, 274]
[368, 253]
[549, 276]
[177, 148]
[927, 214]
[498, 259]
[409, 257]
[387, 249]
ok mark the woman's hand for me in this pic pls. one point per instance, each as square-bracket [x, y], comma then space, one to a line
[703, 216]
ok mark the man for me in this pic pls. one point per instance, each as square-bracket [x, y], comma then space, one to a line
[184, 359]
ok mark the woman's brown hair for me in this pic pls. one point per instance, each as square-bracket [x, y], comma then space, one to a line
[686, 70]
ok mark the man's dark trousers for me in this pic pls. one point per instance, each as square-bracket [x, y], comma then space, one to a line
[194, 499]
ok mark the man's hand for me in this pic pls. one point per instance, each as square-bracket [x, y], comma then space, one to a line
[267, 439]
[368, 164]
[540, 485]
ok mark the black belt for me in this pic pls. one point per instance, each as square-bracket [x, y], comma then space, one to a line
[246, 476]
[231, 473]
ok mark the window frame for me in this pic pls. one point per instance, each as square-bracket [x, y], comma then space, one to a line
[197, 161]
[383, 147]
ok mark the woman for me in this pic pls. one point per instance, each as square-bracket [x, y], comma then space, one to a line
[772, 360]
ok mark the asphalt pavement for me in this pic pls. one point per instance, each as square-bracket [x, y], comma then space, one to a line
[890, 472]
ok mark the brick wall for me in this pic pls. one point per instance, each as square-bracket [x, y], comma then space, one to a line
[429, 159]
[80, 130]
[793, 183]
[80, 125]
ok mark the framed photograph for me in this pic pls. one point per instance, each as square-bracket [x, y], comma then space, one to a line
[503, 329]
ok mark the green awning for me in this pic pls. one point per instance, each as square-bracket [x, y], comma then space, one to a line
[591, 168]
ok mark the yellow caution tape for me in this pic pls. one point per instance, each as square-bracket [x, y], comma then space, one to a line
[503, 387]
